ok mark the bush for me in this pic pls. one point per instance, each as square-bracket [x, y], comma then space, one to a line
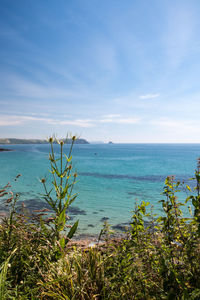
[158, 259]
[37, 236]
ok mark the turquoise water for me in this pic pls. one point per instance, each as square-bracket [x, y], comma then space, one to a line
[110, 177]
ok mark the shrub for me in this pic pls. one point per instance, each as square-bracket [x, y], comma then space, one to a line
[36, 237]
[158, 259]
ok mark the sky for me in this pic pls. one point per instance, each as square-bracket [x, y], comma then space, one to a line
[126, 71]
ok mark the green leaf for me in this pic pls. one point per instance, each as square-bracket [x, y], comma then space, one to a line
[68, 159]
[56, 171]
[188, 187]
[61, 220]
[62, 242]
[72, 199]
[72, 230]
[64, 192]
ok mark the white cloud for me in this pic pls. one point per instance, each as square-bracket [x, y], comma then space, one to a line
[167, 123]
[179, 127]
[120, 120]
[111, 116]
[10, 120]
[149, 96]
[80, 123]
[128, 121]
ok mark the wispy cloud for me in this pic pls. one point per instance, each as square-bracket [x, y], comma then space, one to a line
[149, 96]
[180, 32]
[79, 123]
[181, 127]
[30, 89]
[10, 120]
[111, 116]
[133, 120]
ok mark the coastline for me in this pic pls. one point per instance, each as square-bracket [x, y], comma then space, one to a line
[88, 239]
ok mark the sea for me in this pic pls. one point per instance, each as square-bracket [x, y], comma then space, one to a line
[111, 178]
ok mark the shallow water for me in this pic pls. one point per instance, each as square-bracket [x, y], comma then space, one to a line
[110, 177]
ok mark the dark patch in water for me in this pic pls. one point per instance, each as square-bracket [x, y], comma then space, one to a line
[4, 208]
[121, 226]
[95, 212]
[74, 210]
[90, 225]
[126, 226]
[102, 210]
[36, 204]
[150, 178]
[104, 219]
[3, 149]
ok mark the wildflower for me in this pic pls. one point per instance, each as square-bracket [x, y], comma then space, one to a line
[51, 140]
[9, 200]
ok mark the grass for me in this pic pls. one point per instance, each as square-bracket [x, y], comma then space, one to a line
[160, 260]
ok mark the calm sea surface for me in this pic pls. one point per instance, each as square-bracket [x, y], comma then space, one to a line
[110, 177]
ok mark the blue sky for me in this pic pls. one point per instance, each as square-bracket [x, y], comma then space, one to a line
[126, 71]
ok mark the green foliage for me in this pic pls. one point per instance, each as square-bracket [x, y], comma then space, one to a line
[63, 182]
[37, 238]
[3, 276]
[105, 232]
[158, 259]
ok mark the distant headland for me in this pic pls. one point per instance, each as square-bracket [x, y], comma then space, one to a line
[14, 141]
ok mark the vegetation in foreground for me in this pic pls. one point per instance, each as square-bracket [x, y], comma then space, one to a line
[158, 259]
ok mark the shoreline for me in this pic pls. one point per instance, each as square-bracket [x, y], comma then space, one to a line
[84, 239]
[89, 241]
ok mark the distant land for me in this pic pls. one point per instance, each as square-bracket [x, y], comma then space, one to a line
[13, 141]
